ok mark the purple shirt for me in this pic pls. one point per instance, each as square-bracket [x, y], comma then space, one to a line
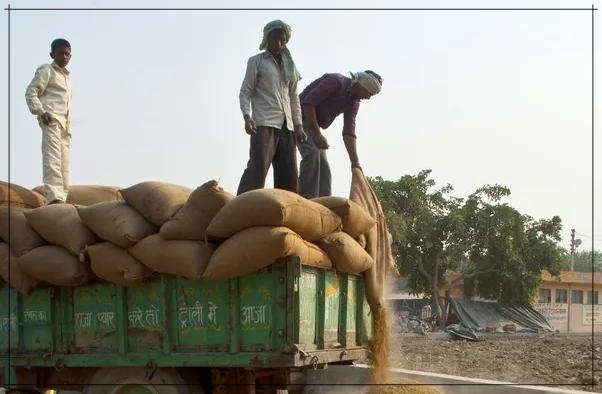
[331, 97]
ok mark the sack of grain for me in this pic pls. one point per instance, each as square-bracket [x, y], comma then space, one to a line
[345, 253]
[156, 201]
[89, 194]
[191, 221]
[116, 265]
[55, 265]
[356, 221]
[257, 247]
[274, 207]
[23, 237]
[18, 196]
[117, 222]
[362, 241]
[18, 279]
[60, 225]
[175, 257]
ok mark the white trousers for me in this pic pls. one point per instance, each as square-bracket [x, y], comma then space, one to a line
[55, 161]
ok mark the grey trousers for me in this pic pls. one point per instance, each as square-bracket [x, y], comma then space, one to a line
[271, 147]
[315, 179]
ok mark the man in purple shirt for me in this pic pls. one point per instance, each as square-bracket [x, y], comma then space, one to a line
[321, 102]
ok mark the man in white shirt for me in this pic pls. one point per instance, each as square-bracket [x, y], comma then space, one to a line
[48, 96]
[275, 126]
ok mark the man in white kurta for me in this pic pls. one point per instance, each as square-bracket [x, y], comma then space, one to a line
[48, 96]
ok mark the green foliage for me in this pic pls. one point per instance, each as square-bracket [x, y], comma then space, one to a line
[498, 251]
[583, 260]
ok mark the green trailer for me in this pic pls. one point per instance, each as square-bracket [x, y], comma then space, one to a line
[252, 334]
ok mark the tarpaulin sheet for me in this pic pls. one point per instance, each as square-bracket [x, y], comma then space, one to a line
[478, 315]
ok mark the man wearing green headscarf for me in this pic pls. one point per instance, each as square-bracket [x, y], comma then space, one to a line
[269, 101]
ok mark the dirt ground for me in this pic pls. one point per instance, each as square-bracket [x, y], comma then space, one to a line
[557, 360]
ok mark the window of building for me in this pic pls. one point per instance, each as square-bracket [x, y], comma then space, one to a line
[592, 298]
[577, 297]
[545, 296]
[561, 296]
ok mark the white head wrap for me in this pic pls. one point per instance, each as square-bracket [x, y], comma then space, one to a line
[367, 81]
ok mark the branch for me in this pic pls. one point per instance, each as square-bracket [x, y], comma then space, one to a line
[472, 275]
[421, 264]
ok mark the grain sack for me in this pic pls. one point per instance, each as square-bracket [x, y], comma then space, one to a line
[19, 196]
[356, 221]
[18, 280]
[55, 265]
[258, 247]
[378, 245]
[175, 257]
[191, 221]
[274, 207]
[345, 253]
[117, 222]
[60, 225]
[362, 241]
[23, 237]
[89, 194]
[116, 265]
[156, 201]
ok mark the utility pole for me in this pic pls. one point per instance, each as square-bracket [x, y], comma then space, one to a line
[572, 250]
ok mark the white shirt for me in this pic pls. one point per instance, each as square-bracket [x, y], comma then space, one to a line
[272, 99]
[50, 91]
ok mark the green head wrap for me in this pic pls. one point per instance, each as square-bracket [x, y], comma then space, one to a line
[288, 65]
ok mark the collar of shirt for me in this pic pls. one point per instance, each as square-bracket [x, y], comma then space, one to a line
[63, 70]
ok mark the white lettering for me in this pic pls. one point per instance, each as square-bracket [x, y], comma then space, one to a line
[106, 319]
[83, 320]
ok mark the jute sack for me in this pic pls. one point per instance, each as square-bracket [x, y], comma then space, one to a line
[18, 279]
[156, 201]
[258, 247]
[19, 196]
[356, 221]
[175, 257]
[191, 221]
[116, 265]
[346, 254]
[362, 241]
[117, 222]
[89, 194]
[23, 237]
[61, 225]
[274, 207]
[55, 265]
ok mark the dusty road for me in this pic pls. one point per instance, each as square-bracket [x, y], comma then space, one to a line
[558, 360]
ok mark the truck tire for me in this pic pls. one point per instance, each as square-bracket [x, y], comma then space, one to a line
[122, 380]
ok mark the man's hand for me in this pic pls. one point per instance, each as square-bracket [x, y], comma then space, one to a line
[357, 165]
[250, 127]
[46, 118]
[300, 134]
[321, 141]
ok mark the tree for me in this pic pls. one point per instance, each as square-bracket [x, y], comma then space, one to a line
[583, 260]
[498, 252]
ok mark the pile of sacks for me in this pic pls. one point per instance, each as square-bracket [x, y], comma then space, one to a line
[123, 236]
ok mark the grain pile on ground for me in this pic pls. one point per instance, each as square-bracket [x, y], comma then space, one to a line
[18, 196]
[403, 386]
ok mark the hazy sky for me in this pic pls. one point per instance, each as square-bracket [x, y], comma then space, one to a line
[479, 97]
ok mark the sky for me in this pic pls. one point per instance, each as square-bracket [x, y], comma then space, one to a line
[479, 97]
